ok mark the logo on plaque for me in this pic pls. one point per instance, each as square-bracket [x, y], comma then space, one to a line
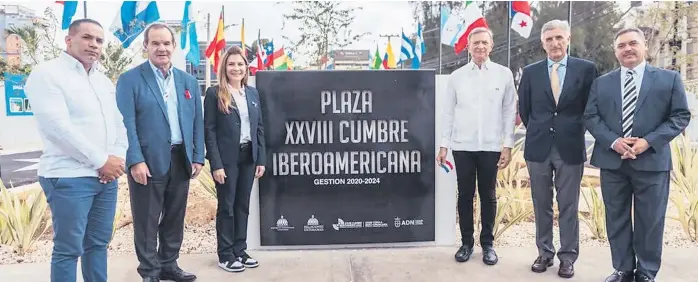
[282, 225]
[313, 225]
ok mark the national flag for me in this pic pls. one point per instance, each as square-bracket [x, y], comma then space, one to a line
[406, 48]
[419, 48]
[258, 62]
[456, 26]
[69, 10]
[217, 46]
[279, 60]
[189, 30]
[132, 19]
[376, 64]
[389, 58]
[521, 20]
[242, 38]
[269, 50]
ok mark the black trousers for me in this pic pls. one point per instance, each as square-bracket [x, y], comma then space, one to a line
[158, 210]
[636, 204]
[480, 167]
[234, 206]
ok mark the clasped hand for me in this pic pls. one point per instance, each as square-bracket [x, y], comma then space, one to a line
[630, 147]
[114, 168]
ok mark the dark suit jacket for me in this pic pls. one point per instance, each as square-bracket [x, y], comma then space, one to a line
[223, 130]
[548, 124]
[661, 114]
[145, 117]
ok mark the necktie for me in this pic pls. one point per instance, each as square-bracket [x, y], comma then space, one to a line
[555, 82]
[629, 100]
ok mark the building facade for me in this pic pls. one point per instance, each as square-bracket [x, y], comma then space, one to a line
[13, 16]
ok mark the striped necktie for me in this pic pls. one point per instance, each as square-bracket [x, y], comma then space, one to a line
[629, 101]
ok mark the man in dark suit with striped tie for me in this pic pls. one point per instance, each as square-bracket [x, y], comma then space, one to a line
[634, 113]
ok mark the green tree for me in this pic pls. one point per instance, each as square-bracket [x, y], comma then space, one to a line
[38, 39]
[323, 25]
[593, 27]
[115, 60]
[253, 49]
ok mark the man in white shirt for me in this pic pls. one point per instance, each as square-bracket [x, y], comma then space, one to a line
[84, 150]
[479, 119]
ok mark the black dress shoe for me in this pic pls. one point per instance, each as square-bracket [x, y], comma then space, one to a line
[620, 276]
[541, 264]
[566, 269]
[151, 279]
[640, 277]
[464, 253]
[489, 256]
[177, 275]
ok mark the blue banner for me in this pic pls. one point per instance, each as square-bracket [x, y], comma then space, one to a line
[16, 103]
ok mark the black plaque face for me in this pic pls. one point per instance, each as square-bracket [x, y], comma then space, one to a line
[350, 157]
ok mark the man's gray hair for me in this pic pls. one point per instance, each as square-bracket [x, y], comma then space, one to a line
[630, 29]
[564, 25]
[481, 30]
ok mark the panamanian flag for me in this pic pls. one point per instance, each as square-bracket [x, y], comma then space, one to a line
[521, 20]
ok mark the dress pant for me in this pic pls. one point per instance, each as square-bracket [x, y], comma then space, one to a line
[636, 203]
[554, 173]
[480, 167]
[158, 215]
[234, 205]
[82, 210]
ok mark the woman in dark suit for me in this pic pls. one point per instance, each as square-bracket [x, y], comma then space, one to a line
[236, 153]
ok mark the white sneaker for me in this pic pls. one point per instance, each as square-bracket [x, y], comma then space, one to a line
[248, 261]
[232, 266]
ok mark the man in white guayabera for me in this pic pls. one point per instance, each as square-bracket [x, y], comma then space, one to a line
[479, 114]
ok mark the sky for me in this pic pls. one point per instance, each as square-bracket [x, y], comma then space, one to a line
[377, 17]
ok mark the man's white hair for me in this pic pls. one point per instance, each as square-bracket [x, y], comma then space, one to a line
[554, 24]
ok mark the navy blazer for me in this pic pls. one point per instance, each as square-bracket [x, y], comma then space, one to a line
[548, 124]
[141, 103]
[223, 130]
[661, 114]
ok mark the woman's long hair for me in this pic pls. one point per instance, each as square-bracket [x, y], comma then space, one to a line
[225, 100]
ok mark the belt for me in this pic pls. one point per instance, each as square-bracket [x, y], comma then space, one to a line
[176, 147]
[245, 146]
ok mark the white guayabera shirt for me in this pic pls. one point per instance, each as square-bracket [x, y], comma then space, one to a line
[479, 111]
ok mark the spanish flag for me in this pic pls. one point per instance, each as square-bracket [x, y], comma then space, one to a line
[213, 52]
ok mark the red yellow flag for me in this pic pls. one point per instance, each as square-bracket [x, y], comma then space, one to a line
[213, 52]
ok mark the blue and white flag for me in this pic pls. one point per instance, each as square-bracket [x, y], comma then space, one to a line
[419, 48]
[189, 29]
[132, 19]
[406, 48]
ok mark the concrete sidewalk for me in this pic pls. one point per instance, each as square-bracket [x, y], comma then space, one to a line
[424, 264]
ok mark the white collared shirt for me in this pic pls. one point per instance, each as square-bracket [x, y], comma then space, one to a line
[77, 117]
[479, 110]
[639, 73]
[241, 104]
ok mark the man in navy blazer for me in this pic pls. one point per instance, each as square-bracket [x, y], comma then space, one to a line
[162, 111]
[552, 97]
[633, 113]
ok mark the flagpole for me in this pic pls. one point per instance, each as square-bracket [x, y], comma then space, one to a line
[509, 34]
[84, 6]
[208, 39]
[569, 20]
[440, 44]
